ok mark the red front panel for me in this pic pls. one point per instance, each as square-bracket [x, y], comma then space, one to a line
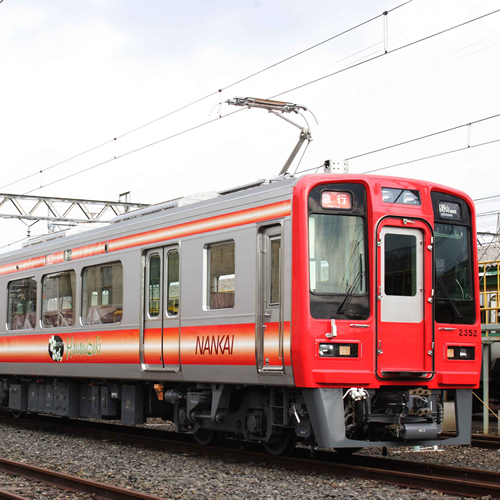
[405, 346]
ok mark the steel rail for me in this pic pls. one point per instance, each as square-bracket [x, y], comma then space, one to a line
[452, 480]
[484, 441]
[5, 495]
[67, 482]
[481, 440]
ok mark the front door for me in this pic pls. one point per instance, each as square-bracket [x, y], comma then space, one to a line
[404, 285]
[161, 333]
[269, 324]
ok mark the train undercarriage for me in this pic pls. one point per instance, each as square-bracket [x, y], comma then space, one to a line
[276, 416]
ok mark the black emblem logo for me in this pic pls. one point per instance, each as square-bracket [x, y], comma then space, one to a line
[56, 348]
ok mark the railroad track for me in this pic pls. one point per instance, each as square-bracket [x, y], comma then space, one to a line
[451, 480]
[20, 481]
[481, 440]
[485, 441]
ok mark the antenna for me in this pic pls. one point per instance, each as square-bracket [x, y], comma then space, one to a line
[278, 108]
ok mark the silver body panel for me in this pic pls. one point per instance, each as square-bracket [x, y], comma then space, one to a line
[192, 312]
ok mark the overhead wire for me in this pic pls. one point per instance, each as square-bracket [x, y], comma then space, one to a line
[432, 69]
[405, 32]
[426, 136]
[211, 94]
[385, 53]
[432, 156]
[12, 243]
[488, 197]
[282, 93]
[488, 214]
[246, 78]
[134, 151]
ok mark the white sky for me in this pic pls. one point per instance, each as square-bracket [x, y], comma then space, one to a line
[77, 74]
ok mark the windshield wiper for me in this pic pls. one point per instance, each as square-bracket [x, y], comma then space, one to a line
[350, 291]
[449, 300]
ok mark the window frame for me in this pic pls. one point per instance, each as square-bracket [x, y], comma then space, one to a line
[206, 275]
[112, 294]
[365, 260]
[272, 238]
[326, 306]
[148, 282]
[74, 298]
[167, 281]
[7, 323]
[413, 257]
[468, 309]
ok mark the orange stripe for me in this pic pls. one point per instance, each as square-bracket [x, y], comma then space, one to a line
[113, 346]
[152, 346]
[249, 216]
[218, 345]
[204, 345]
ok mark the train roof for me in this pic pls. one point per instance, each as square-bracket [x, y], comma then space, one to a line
[201, 205]
[198, 205]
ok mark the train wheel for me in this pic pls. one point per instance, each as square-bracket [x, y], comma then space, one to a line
[284, 444]
[207, 437]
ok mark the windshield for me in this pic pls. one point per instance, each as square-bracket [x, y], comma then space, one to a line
[453, 269]
[336, 254]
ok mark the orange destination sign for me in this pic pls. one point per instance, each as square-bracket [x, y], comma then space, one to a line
[336, 199]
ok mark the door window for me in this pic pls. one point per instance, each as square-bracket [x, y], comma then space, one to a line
[400, 265]
[274, 292]
[154, 285]
[173, 283]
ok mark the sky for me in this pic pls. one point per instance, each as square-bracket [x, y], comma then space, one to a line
[76, 75]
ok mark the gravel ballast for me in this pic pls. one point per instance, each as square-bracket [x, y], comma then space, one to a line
[187, 476]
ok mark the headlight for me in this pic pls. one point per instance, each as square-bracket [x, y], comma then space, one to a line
[461, 352]
[338, 350]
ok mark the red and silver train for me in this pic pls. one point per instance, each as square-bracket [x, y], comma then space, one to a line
[335, 309]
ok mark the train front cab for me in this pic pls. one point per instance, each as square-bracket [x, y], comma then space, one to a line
[385, 320]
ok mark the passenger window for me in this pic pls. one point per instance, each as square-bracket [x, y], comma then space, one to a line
[102, 294]
[22, 304]
[173, 283]
[221, 275]
[58, 292]
[400, 265]
[154, 285]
